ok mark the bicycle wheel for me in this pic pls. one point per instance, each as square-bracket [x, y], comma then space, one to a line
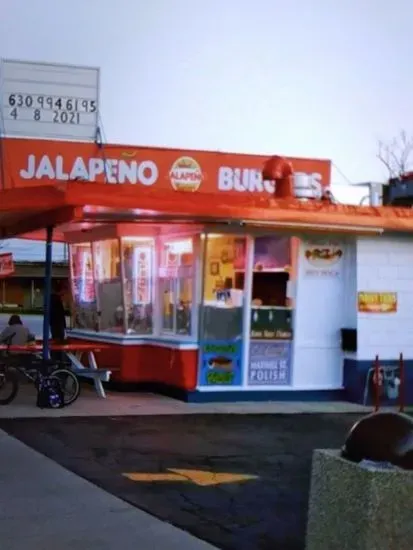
[69, 383]
[9, 386]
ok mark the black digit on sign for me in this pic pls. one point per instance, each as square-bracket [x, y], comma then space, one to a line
[74, 118]
[28, 101]
[12, 100]
[58, 103]
[69, 104]
[36, 115]
[64, 117]
[13, 113]
[55, 116]
[20, 100]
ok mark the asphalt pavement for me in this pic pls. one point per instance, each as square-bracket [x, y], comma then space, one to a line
[240, 482]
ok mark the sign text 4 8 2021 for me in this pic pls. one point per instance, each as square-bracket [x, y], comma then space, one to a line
[47, 108]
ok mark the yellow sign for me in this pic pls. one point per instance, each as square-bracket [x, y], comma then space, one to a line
[377, 302]
[199, 477]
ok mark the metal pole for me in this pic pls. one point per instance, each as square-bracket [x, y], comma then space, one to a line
[402, 382]
[377, 384]
[47, 292]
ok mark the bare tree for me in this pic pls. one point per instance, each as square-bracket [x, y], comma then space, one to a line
[396, 155]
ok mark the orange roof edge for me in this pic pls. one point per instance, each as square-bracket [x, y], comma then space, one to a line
[69, 199]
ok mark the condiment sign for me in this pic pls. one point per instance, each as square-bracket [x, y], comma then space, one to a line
[377, 302]
[45, 100]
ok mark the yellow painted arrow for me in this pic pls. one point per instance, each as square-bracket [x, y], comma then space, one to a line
[199, 477]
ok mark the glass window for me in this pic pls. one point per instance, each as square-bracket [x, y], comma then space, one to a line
[138, 263]
[108, 285]
[176, 275]
[83, 288]
[222, 317]
[224, 287]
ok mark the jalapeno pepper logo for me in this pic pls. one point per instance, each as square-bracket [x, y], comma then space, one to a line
[186, 174]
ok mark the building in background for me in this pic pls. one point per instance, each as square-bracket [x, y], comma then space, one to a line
[25, 288]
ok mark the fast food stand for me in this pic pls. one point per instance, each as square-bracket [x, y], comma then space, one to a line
[201, 282]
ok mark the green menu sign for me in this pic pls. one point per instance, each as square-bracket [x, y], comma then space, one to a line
[271, 323]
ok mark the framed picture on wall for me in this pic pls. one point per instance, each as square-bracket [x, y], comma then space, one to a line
[214, 269]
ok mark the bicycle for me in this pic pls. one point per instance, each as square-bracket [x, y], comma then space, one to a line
[35, 369]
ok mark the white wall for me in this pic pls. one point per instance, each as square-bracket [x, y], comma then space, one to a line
[325, 303]
[385, 264]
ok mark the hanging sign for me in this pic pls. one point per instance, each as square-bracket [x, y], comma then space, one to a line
[6, 264]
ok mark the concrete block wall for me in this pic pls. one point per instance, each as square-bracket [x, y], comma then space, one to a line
[385, 264]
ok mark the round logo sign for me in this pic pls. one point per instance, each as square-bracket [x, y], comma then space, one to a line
[185, 174]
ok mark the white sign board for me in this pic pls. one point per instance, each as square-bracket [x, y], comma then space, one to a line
[42, 100]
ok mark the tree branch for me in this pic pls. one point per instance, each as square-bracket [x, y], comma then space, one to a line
[396, 154]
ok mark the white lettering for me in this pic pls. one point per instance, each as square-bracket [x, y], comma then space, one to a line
[60, 174]
[269, 186]
[45, 169]
[255, 183]
[112, 171]
[79, 170]
[225, 182]
[28, 174]
[96, 168]
[147, 172]
[245, 179]
[128, 171]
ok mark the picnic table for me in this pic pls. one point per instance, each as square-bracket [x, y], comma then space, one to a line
[75, 353]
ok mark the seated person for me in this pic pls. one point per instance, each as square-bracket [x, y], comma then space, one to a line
[16, 333]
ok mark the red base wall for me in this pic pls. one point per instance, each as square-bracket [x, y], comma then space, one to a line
[146, 363]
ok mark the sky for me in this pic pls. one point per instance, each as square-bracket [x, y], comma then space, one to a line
[319, 78]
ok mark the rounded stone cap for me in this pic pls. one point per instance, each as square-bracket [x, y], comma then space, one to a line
[381, 437]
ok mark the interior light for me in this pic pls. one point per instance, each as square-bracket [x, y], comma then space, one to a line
[212, 235]
[137, 239]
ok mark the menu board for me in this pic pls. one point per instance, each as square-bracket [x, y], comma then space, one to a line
[221, 363]
[269, 363]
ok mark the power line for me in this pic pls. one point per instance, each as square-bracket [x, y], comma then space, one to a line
[342, 173]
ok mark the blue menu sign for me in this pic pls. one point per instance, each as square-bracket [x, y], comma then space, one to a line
[270, 363]
[221, 363]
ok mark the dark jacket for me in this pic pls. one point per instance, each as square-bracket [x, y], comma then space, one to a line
[57, 312]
